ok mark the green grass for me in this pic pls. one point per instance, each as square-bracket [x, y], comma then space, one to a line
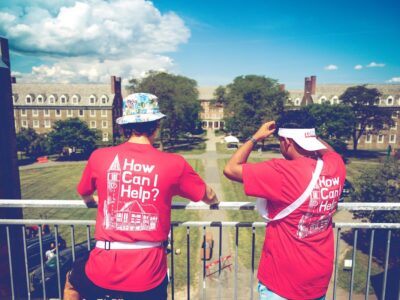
[360, 272]
[60, 182]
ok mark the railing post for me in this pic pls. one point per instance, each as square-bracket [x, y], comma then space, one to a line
[9, 182]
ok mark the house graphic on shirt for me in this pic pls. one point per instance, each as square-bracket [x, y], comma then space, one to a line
[134, 216]
[113, 190]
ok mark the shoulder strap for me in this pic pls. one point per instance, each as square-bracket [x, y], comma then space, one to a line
[261, 203]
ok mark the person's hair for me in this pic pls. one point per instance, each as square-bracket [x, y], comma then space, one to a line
[295, 119]
[144, 128]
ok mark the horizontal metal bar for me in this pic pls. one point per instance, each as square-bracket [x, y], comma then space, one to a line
[23, 203]
[193, 223]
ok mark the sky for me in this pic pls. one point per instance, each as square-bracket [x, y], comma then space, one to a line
[210, 41]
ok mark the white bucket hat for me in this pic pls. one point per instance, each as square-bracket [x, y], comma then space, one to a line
[139, 108]
[305, 138]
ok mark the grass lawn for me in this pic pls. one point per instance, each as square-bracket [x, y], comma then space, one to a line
[60, 182]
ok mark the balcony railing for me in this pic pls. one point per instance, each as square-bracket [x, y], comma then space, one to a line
[220, 264]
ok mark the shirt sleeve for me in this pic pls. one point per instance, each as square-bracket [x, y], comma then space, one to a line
[262, 180]
[87, 185]
[190, 185]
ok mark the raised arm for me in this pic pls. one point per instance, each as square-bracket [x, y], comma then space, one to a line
[233, 169]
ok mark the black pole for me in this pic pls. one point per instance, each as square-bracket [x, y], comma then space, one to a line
[9, 184]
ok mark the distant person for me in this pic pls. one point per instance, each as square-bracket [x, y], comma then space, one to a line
[298, 197]
[50, 253]
[135, 184]
[388, 151]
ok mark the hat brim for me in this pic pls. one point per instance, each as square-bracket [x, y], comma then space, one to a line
[309, 144]
[139, 118]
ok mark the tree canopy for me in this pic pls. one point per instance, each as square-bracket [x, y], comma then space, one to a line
[73, 133]
[364, 103]
[25, 138]
[177, 98]
[333, 123]
[250, 101]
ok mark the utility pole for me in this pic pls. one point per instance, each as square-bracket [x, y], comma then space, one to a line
[9, 188]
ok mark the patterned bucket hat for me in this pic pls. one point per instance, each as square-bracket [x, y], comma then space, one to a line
[139, 108]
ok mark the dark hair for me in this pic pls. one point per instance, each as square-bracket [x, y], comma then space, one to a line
[144, 128]
[295, 119]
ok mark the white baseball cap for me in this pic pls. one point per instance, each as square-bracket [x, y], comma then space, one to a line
[304, 137]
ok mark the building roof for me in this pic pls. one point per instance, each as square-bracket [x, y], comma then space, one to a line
[206, 92]
[82, 91]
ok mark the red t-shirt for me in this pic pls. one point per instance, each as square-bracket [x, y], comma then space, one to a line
[297, 257]
[135, 185]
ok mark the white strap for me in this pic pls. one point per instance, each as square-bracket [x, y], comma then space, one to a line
[122, 245]
[261, 204]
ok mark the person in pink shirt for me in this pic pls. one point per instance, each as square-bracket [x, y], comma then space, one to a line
[298, 196]
[135, 184]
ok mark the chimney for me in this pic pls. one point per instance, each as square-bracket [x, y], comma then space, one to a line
[307, 98]
[313, 84]
[116, 85]
[281, 87]
[307, 85]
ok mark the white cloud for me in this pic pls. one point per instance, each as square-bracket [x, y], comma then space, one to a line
[331, 67]
[89, 40]
[375, 65]
[394, 80]
[358, 67]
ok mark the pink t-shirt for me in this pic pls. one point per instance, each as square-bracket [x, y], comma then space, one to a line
[135, 185]
[297, 257]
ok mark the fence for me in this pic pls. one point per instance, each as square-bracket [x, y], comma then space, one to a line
[42, 273]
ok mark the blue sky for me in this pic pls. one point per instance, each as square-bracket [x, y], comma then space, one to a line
[209, 41]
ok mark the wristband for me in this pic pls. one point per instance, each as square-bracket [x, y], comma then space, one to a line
[253, 140]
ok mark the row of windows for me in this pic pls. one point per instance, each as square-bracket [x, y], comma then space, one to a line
[64, 99]
[335, 100]
[57, 112]
[370, 127]
[47, 124]
[380, 138]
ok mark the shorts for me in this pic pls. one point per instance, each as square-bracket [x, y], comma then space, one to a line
[266, 294]
[88, 290]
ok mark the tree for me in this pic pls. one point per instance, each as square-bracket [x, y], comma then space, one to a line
[220, 94]
[40, 146]
[25, 138]
[333, 123]
[364, 102]
[177, 98]
[73, 133]
[252, 100]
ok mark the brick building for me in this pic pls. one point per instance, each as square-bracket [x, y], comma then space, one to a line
[40, 105]
[212, 114]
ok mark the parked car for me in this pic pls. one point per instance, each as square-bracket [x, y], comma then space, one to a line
[207, 247]
[348, 189]
[50, 270]
[33, 248]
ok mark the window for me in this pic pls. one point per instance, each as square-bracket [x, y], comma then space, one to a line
[392, 138]
[81, 113]
[104, 124]
[58, 113]
[389, 101]
[381, 139]
[297, 102]
[35, 112]
[46, 113]
[335, 100]
[92, 99]
[47, 124]
[40, 99]
[394, 126]
[35, 123]
[15, 98]
[368, 138]
[92, 113]
[322, 99]
[394, 114]
[52, 99]
[28, 99]
[105, 136]
[369, 127]
[92, 124]
[63, 99]
[70, 113]
[23, 112]
[75, 99]
[104, 99]
[104, 113]
[24, 123]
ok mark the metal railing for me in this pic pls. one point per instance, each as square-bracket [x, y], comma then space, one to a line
[237, 226]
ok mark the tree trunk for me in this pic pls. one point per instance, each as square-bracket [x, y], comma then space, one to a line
[355, 141]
